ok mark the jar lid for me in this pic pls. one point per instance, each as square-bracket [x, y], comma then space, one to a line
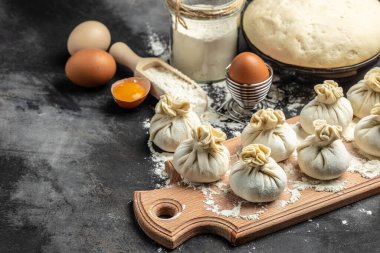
[202, 11]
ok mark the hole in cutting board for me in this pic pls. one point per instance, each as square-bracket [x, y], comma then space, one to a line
[165, 209]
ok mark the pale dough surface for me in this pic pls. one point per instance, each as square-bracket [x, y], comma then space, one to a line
[317, 34]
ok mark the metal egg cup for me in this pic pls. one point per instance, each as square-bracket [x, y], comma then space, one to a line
[245, 98]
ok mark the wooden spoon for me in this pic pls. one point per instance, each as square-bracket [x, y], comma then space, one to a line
[125, 56]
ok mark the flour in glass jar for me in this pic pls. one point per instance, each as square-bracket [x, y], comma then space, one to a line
[205, 48]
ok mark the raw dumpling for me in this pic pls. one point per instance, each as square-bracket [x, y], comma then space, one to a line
[268, 127]
[365, 94]
[367, 132]
[329, 105]
[203, 158]
[173, 122]
[323, 155]
[256, 177]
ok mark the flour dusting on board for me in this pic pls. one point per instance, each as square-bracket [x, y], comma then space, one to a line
[366, 168]
[213, 192]
[319, 185]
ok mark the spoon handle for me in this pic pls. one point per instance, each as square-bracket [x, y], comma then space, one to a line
[124, 55]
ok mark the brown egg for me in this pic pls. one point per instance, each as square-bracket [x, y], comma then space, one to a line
[90, 67]
[248, 68]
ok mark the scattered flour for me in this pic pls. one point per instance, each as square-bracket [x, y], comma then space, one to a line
[362, 210]
[157, 47]
[366, 168]
[218, 95]
[320, 186]
[222, 189]
[288, 168]
[295, 195]
[158, 159]
[146, 124]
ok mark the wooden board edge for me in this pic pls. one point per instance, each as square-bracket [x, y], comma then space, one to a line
[308, 213]
[216, 226]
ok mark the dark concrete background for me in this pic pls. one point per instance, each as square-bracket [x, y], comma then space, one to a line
[70, 159]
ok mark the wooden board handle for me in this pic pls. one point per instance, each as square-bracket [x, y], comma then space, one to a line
[124, 55]
[171, 220]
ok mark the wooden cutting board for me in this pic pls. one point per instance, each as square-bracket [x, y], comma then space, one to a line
[172, 215]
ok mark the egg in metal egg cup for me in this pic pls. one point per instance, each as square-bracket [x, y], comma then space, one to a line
[246, 98]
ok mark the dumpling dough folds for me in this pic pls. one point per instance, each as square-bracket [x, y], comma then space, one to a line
[203, 158]
[323, 155]
[366, 93]
[268, 127]
[367, 132]
[173, 122]
[256, 177]
[329, 105]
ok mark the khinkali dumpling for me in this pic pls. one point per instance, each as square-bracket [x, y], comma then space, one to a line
[367, 132]
[268, 127]
[203, 158]
[329, 105]
[365, 94]
[256, 177]
[323, 155]
[173, 122]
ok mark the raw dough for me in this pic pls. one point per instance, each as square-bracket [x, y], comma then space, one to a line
[323, 155]
[268, 127]
[365, 94]
[173, 122]
[316, 34]
[329, 105]
[367, 132]
[256, 177]
[203, 158]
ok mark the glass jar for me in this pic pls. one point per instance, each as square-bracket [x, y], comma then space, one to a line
[204, 36]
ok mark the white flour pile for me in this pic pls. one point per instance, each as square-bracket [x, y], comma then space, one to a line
[169, 82]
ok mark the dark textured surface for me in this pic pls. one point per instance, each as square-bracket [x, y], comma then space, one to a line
[70, 159]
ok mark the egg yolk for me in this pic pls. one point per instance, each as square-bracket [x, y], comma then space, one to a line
[129, 91]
